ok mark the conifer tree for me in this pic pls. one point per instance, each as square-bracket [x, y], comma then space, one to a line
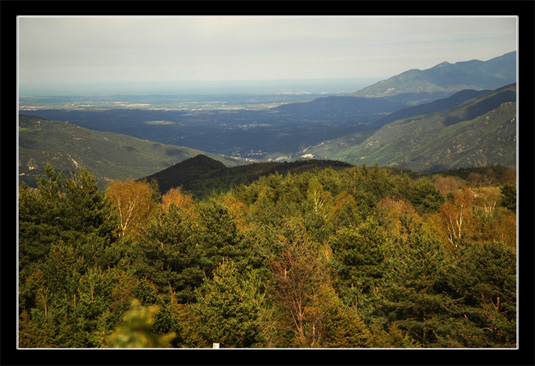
[40, 217]
[217, 232]
[228, 307]
[358, 256]
[169, 256]
[426, 197]
[411, 289]
[508, 196]
[484, 281]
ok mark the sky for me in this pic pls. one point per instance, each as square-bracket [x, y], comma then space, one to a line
[102, 51]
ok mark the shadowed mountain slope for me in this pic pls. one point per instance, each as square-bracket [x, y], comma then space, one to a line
[435, 106]
[421, 143]
[201, 175]
[105, 154]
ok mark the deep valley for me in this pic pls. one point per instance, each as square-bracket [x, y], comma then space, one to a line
[420, 120]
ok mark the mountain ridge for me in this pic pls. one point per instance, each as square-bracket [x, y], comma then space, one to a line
[201, 175]
[447, 77]
[466, 144]
[391, 142]
[108, 155]
[364, 122]
[343, 105]
[412, 88]
[434, 106]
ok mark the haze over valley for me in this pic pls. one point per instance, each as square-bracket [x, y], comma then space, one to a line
[302, 125]
[256, 88]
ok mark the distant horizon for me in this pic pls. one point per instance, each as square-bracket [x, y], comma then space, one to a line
[74, 55]
[199, 87]
[206, 87]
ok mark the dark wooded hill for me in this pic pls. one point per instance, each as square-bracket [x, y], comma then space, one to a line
[202, 175]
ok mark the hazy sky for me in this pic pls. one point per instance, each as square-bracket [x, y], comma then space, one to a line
[147, 49]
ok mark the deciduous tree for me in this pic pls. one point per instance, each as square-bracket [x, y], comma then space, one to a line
[457, 216]
[133, 202]
[300, 287]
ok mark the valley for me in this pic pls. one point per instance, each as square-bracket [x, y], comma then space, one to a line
[248, 134]
[477, 132]
[350, 129]
[107, 155]
[421, 120]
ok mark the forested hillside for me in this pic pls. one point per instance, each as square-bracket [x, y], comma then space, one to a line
[476, 133]
[201, 176]
[108, 155]
[360, 258]
[434, 106]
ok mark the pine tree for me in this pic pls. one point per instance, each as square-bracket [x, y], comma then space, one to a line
[426, 197]
[411, 289]
[86, 209]
[40, 215]
[358, 256]
[228, 307]
[169, 256]
[484, 282]
[217, 233]
[508, 196]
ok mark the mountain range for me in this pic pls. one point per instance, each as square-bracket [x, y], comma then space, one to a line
[434, 106]
[448, 116]
[370, 108]
[378, 103]
[478, 132]
[445, 78]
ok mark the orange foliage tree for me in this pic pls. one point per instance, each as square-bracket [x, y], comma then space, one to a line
[446, 184]
[134, 203]
[176, 196]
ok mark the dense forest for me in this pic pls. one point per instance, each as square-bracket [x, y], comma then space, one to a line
[362, 257]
